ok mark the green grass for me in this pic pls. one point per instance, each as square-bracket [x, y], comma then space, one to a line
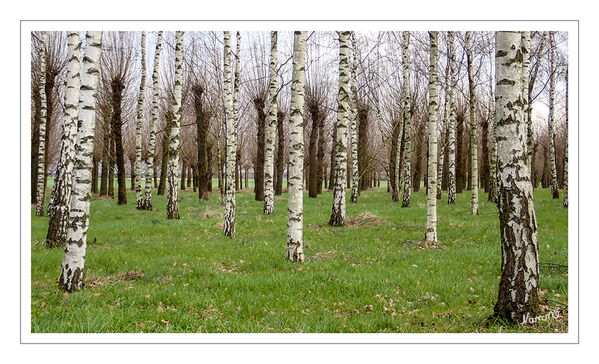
[145, 273]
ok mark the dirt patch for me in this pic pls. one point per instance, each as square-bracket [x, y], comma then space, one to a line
[367, 219]
[99, 281]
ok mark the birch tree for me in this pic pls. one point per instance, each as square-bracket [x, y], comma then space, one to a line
[338, 211]
[552, 71]
[519, 284]
[152, 143]
[295, 217]
[354, 119]
[41, 160]
[73, 262]
[60, 201]
[451, 186]
[565, 204]
[231, 142]
[473, 134]
[172, 203]
[407, 116]
[271, 129]
[433, 105]
[140, 104]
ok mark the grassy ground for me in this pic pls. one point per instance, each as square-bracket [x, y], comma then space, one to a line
[145, 273]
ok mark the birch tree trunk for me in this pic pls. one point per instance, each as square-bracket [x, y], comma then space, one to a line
[407, 116]
[41, 159]
[354, 118]
[231, 142]
[338, 211]
[525, 49]
[552, 70]
[73, 262]
[433, 106]
[518, 287]
[280, 153]
[140, 109]
[271, 129]
[451, 156]
[60, 201]
[147, 205]
[172, 203]
[295, 217]
[493, 163]
[473, 133]
[566, 155]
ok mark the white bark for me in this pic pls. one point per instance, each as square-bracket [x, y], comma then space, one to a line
[73, 262]
[172, 204]
[231, 142]
[451, 185]
[41, 158]
[473, 133]
[518, 287]
[295, 218]
[60, 201]
[338, 211]
[138, 124]
[271, 129]
[354, 122]
[433, 109]
[407, 116]
[152, 144]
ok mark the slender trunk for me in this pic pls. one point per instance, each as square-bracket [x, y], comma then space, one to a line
[271, 126]
[518, 295]
[111, 166]
[133, 175]
[484, 165]
[407, 116]
[172, 203]
[202, 133]
[433, 105]
[231, 137]
[363, 167]
[317, 118]
[41, 159]
[566, 152]
[473, 127]
[183, 175]
[140, 203]
[280, 153]
[338, 211]
[72, 267]
[259, 103]
[117, 124]
[320, 157]
[295, 217]
[94, 176]
[150, 167]
[60, 201]
[353, 120]
[552, 70]
[35, 134]
[444, 127]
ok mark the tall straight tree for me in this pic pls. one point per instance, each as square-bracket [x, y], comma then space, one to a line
[444, 127]
[73, 262]
[566, 154]
[354, 120]
[473, 133]
[231, 141]
[172, 203]
[41, 159]
[451, 158]
[525, 49]
[493, 163]
[271, 129]
[433, 109]
[407, 117]
[338, 211]
[519, 284]
[60, 201]
[295, 217]
[152, 143]
[140, 111]
[552, 159]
